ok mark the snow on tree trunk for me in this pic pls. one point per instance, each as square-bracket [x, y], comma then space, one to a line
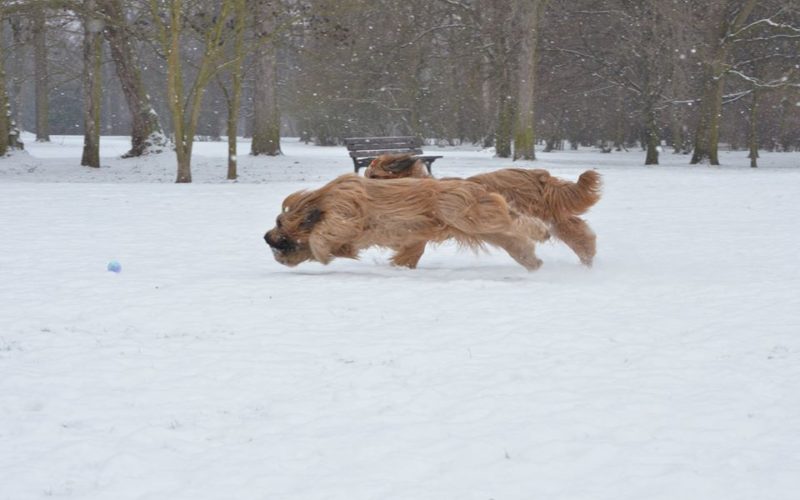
[146, 133]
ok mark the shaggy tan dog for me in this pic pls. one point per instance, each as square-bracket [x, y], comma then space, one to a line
[531, 192]
[352, 213]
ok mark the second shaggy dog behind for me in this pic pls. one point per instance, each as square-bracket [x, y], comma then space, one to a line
[532, 192]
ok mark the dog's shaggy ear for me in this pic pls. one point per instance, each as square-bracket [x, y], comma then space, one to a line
[401, 164]
[312, 217]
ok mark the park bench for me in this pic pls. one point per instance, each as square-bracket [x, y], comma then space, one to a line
[365, 149]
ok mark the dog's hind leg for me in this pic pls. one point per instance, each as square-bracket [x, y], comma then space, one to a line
[577, 234]
[521, 248]
[532, 227]
[520, 241]
[490, 219]
[408, 256]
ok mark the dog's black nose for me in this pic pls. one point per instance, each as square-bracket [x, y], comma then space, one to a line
[279, 243]
[271, 240]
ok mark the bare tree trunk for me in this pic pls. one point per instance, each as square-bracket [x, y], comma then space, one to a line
[525, 130]
[505, 120]
[652, 138]
[487, 102]
[706, 137]
[146, 133]
[505, 111]
[676, 130]
[619, 122]
[92, 87]
[785, 127]
[232, 125]
[677, 115]
[17, 69]
[266, 116]
[234, 97]
[5, 126]
[501, 31]
[185, 105]
[752, 139]
[416, 103]
[720, 39]
[42, 80]
[183, 138]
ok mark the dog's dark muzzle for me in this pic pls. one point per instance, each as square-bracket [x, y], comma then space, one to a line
[278, 243]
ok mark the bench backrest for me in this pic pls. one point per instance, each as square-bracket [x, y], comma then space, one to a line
[361, 147]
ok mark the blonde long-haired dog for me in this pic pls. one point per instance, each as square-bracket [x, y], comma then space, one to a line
[352, 213]
[535, 193]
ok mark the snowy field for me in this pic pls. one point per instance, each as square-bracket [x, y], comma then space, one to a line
[205, 370]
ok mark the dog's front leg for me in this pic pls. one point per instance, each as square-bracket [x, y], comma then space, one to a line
[408, 256]
[345, 251]
[320, 249]
[333, 238]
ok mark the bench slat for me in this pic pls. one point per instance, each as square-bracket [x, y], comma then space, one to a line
[378, 152]
[361, 143]
[398, 138]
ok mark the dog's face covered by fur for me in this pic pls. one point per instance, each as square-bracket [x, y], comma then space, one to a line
[396, 167]
[289, 239]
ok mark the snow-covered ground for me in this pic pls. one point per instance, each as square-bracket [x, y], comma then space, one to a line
[205, 370]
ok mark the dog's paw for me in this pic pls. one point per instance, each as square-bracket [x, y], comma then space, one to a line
[533, 264]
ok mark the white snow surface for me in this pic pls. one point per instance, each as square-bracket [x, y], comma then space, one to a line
[206, 370]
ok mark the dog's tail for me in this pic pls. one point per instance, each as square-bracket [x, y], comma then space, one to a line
[574, 198]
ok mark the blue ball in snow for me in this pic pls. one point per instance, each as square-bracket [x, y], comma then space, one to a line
[114, 266]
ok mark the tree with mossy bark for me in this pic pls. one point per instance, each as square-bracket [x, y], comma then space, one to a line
[184, 95]
[530, 11]
[41, 72]
[92, 85]
[230, 82]
[266, 115]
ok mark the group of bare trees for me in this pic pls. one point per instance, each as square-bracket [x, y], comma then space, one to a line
[175, 49]
[612, 74]
[512, 74]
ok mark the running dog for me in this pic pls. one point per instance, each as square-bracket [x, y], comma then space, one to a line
[535, 193]
[352, 213]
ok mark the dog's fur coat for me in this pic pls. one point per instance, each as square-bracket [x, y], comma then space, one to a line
[535, 193]
[352, 213]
